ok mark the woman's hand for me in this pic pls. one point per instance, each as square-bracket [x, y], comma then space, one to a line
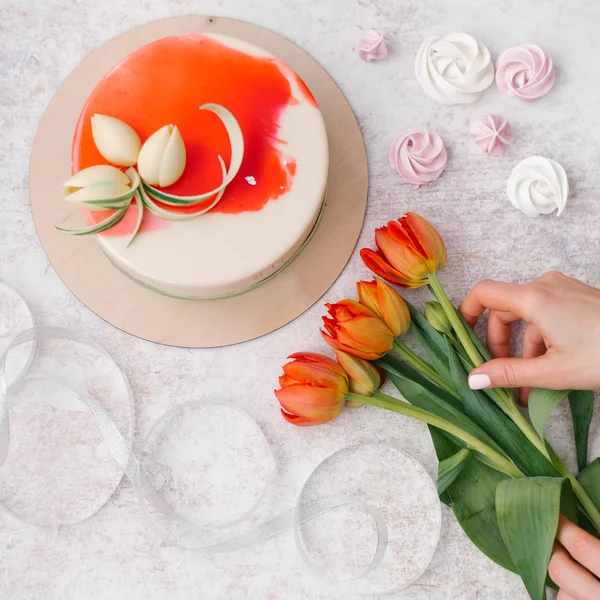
[575, 563]
[561, 347]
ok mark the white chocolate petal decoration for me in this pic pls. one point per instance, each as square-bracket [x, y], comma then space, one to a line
[117, 142]
[98, 191]
[538, 186]
[97, 174]
[173, 161]
[162, 158]
[151, 155]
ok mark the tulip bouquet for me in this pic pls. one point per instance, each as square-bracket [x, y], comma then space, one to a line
[497, 472]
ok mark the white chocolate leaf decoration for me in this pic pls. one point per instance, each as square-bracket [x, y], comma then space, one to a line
[538, 186]
[162, 157]
[100, 187]
[455, 69]
[117, 141]
[119, 204]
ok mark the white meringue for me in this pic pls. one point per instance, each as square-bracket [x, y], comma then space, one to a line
[538, 186]
[455, 69]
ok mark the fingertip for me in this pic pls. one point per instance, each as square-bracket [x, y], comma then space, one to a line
[479, 381]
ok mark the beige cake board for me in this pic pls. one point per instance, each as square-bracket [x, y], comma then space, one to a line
[147, 314]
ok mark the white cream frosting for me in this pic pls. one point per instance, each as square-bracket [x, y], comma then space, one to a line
[538, 186]
[454, 69]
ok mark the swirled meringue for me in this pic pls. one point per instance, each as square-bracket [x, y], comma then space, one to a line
[492, 134]
[538, 186]
[525, 72]
[372, 46]
[455, 69]
[419, 157]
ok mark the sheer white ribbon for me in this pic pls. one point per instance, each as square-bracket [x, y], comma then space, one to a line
[172, 526]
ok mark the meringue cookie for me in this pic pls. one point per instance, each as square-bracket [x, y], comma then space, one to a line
[372, 46]
[419, 157]
[455, 69]
[538, 186]
[525, 72]
[492, 134]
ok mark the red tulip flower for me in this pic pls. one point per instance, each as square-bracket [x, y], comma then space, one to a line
[313, 389]
[409, 250]
[356, 330]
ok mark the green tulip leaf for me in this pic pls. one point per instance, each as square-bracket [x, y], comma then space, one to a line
[541, 405]
[589, 478]
[472, 497]
[528, 510]
[473, 500]
[449, 469]
[582, 411]
[394, 366]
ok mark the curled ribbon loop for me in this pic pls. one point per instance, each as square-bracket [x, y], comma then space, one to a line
[164, 519]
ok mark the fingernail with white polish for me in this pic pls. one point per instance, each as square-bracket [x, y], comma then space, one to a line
[480, 381]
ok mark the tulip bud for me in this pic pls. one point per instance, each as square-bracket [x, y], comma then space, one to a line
[364, 379]
[117, 142]
[386, 303]
[437, 318]
[101, 182]
[162, 157]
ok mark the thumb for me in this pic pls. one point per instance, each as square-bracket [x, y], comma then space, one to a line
[515, 373]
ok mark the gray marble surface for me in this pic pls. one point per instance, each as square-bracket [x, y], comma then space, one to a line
[114, 554]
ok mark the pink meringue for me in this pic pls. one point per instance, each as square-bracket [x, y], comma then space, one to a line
[419, 157]
[372, 46]
[525, 72]
[492, 134]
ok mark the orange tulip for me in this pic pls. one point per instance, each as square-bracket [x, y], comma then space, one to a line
[409, 250]
[313, 389]
[357, 330]
[386, 303]
[364, 377]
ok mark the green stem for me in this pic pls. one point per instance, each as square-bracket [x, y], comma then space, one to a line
[455, 321]
[454, 340]
[404, 408]
[418, 363]
[528, 430]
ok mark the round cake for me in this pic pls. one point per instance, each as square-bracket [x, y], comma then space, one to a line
[266, 213]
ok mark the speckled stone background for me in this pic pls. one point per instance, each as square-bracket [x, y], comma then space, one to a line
[114, 555]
